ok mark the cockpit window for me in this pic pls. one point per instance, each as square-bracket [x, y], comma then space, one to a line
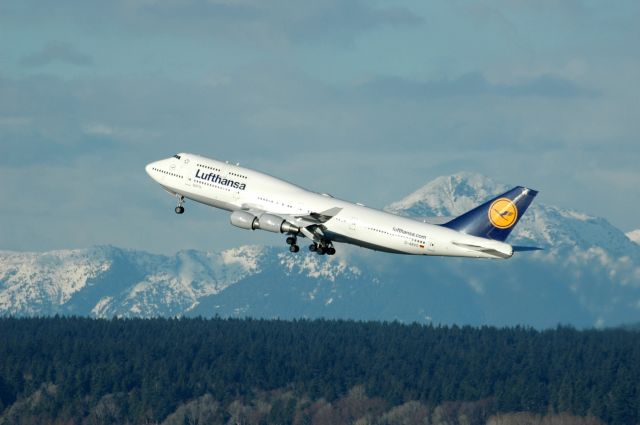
[176, 156]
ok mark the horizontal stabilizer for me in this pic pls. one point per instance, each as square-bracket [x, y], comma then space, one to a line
[486, 250]
[517, 248]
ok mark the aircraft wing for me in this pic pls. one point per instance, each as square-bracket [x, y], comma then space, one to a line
[483, 249]
[318, 218]
[305, 220]
[310, 224]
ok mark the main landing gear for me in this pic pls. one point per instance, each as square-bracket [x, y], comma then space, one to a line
[322, 248]
[292, 242]
[180, 208]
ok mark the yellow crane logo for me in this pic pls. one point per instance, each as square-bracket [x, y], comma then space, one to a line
[503, 213]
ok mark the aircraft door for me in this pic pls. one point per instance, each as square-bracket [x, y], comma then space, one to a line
[236, 197]
[184, 171]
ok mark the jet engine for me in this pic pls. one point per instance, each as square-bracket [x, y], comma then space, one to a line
[268, 222]
[244, 220]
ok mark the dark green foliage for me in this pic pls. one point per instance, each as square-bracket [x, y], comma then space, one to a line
[137, 371]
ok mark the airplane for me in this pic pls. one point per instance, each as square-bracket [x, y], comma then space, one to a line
[260, 201]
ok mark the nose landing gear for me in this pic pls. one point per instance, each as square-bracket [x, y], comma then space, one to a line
[180, 208]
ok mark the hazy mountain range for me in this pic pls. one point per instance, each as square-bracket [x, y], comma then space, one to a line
[587, 275]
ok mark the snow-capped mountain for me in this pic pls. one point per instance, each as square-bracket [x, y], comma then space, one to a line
[105, 281]
[448, 196]
[588, 274]
[552, 228]
[96, 280]
[634, 235]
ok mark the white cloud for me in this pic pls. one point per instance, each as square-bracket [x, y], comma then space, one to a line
[271, 84]
[98, 129]
[57, 51]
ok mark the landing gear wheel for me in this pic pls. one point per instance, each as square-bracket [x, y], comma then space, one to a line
[294, 248]
[322, 249]
[180, 208]
[291, 240]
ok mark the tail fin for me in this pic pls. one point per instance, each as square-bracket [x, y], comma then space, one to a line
[496, 218]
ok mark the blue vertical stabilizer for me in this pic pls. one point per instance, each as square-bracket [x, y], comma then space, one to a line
[495, 218]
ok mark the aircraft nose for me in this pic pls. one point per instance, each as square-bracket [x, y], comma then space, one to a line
[149, 169]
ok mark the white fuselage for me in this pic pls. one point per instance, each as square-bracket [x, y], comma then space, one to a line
[231, 187]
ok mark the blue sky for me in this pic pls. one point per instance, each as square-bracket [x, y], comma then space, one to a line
[368, 100]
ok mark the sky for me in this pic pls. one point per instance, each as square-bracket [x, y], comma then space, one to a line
[367, 100]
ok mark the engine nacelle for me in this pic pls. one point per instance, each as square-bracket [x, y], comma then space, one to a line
[244, 220]
[268, 222]
[273, 223]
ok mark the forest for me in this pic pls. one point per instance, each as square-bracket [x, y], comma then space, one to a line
[72, 370]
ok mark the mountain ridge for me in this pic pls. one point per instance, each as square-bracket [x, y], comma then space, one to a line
[587, 275]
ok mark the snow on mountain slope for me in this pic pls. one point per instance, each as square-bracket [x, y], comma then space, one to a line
[634, 235]
[545, 226]
[317, 267]
[173, 285]
[596, 262]
[588, 274]
[447, 196]
[32, 282]
[105, 281]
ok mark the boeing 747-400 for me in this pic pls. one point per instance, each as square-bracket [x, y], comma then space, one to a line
[260, 201]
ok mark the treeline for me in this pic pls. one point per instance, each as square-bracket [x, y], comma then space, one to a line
[286, 407]
[79, 370]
